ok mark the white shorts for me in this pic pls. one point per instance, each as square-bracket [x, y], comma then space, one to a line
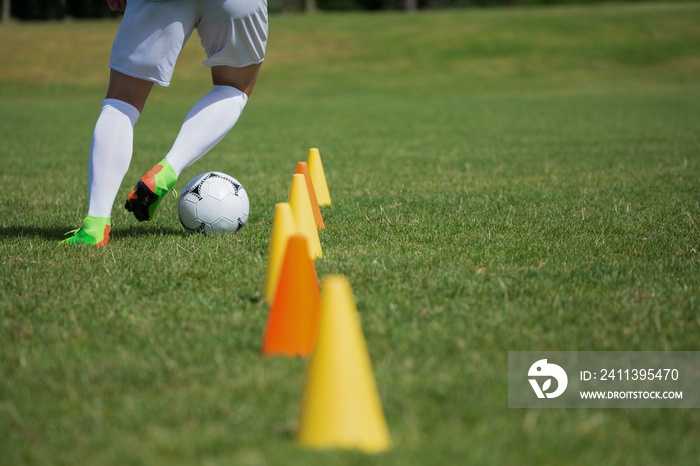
[153, 33]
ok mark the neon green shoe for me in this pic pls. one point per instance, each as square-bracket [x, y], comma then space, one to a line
[95, 231]
[149, 191]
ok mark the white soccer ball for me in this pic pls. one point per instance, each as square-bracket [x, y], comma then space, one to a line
[213, 203]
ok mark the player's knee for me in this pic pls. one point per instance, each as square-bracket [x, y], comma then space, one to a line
[242, 79]
[128, 89]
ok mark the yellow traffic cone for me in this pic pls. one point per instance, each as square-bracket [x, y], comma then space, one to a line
[318, 177]
[341, 406]
[303, 168]
[303, 215]
[283, 226]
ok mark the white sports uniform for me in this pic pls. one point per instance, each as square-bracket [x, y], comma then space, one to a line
[153, 33]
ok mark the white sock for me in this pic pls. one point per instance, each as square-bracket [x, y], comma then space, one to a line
[110, 154]
[205, 125]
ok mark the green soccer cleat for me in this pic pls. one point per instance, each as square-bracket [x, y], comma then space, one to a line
[94, 231]
[149, 191]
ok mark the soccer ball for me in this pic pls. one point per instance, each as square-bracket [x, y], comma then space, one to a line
[213, 203]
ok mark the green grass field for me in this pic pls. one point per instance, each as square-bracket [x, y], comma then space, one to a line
[502, 180]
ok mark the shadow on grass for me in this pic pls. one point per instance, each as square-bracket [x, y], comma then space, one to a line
[138, 231]
[57, 234]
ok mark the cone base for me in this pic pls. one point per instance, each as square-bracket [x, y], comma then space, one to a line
[365, 446]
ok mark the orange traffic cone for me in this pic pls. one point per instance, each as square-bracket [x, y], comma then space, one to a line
[292, 324]
[341, 406]
[319, 177]
[283, 226]
[303, 169]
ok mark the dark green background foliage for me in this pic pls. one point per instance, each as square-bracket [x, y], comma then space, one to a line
[58, 9]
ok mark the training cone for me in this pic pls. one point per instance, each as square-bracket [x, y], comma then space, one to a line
[303, 169]
[318, 176]
[303, 215]
[341, 406]
[293, 320]
[283, 226]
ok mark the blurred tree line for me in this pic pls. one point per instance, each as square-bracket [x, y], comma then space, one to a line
[55, 9]
[59, 9]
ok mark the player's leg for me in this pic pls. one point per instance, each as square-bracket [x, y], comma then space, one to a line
[214, 115]
[110, 154]
[112, 141]
[234, 36]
